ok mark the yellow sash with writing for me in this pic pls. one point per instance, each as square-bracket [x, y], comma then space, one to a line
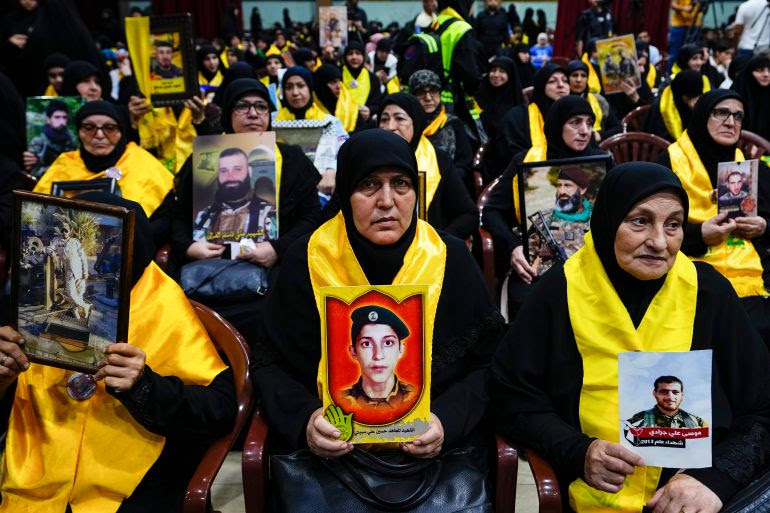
[314, 112]
[603, 329]
[437, 124]
[594, 84]
[92, 454]
[360, 92]
[346, 110]
[144, 179]
[597, 110]
[736, 259]
[670, 113]
[427, 161]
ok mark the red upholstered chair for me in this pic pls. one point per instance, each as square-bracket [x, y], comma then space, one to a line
[235, 351]
[634, 120]
[634, 146]
[561, 61]
[256, 475]
[752, 145]
[527, 93]
[487, 244]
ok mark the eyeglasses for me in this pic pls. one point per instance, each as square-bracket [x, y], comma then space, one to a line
[242, 108]
[109, 130]
[55, 74]
[722, 115]
[431, 91]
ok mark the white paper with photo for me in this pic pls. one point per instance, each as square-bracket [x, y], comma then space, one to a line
[670, 429]
[737, 188]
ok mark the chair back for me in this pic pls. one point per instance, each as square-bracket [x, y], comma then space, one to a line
[753, 145]
[634, 120]
[634, 146]
[487, 243]
[234, 349]
[561, 61]
[478, 167]
[526, 93]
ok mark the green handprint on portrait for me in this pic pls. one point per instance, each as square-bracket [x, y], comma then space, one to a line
[338, 419]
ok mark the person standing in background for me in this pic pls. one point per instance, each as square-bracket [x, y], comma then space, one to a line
[684, 14]
[596, 22]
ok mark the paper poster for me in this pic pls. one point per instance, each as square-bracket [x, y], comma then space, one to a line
[617, 61]
[737, 184]
[51, 128]
[374, 374]
[557, 202]
[234, 192]
[333, 26]
[665, 407]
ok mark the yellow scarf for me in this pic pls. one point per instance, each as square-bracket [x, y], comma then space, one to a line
[736, 259]
[93, 454]
[144, 179]
[393, 86]
[603, 329]
[427, 162]
[171, 138]
[652, 75]
[594, 84]
[314, 112]
[273, 50]
[537, 153]
[50, 91]
[215, 81]
[669, 112]
[597, 110]
[437, 124]
[449, 11]
[360, 92]
[346, 110]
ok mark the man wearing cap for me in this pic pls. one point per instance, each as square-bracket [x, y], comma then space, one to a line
[164, 67]
[568, 220]
[377, 344]
[53, 141]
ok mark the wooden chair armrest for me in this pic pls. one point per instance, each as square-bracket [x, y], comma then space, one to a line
[254, 464]
[548, 494]
[478, 183]
[507, 476]
[488, 259]
[162, 256]
[196, 499]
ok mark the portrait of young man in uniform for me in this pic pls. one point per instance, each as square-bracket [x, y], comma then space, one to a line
[668, 392]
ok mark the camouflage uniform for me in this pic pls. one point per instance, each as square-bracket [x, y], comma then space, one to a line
[567, 231]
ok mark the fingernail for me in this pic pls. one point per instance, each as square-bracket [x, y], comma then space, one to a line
[26, 366]
[336, 433]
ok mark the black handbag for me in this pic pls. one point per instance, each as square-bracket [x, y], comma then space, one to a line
[223, 279]
[755, 498]
[362, 482]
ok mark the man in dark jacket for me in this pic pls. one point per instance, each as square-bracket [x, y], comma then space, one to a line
[491, 25]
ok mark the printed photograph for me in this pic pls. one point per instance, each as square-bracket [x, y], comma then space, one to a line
[377, 361]
[234, 189]
[51, 128]
[557, 202]
[71, 261]
[665, 407]
[617, 62]
[333, 26]
[166, 63]
[737, 184]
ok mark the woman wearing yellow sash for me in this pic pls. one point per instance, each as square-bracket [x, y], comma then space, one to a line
[54, 71]
[522, 127]
[130, 439]
[105, 152]
[569, 133]
[273, 65]
[630, 289]
[670, 113]
[209, 73]
[445, 130]
[727, 244]
[606, 124]
[333, 98]
[362, 83]
[376, 239]
[694, 57]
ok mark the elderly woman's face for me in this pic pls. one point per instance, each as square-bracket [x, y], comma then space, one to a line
[722, 125]
[383, 205]
[648, 239]
[99, 134]
[577, 132]
[557, 86]
[395, 119]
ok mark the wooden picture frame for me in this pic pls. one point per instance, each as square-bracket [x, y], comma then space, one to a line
[178, 30]
[524, 169]
[46, 243]
[61, 189]
[422, 201]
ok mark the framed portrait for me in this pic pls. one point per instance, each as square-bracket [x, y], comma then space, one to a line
[617, 62]
[71, 278]
[556, 199]
[234, 190]
[72, 188]
[375, 362]
[51, 128]
[333, 26]
[737, 184]
[422, 201]
[173, 73]
[665, 407]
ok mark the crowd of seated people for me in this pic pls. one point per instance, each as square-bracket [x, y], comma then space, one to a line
[394, 199]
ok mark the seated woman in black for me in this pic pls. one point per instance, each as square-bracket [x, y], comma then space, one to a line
[569, 133]
[753, 84]
[630, 289]
[246, 108]
[670, 114]
[350, 250]
[606, 124]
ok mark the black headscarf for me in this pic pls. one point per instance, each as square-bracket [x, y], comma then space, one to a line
[623, 187]
[574, 66]
[354, 45]
[540, 80]
[686, 83]
[499, 100]
[736, 66]
[323, 75]
[234, 72]
[412, 106]
[561, 110]
[686, 53]
[358, 157]
[234, 92]
[144, 246]
[93, 162]
[55, 60]
[525, 70]
[201, 55]
[710, 153]
[12, 121]
[307, 77]
[76, 72]
[756, 99]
